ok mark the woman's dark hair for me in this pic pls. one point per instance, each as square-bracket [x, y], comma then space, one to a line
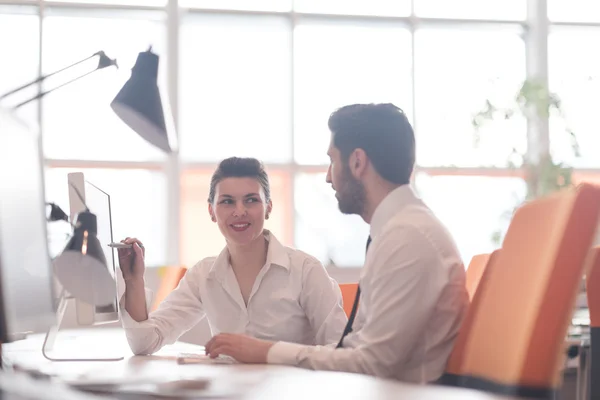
[382, 131]
[240, 167]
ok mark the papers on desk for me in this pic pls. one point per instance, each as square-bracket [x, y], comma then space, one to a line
[172, 382]
[174, 389]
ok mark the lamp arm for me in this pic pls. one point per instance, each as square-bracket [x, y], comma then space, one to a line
[42, 94]
[103, 62]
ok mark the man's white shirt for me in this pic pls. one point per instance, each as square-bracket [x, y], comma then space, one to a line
[413, 300]
[293, 299]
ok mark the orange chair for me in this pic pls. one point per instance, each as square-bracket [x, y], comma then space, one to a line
[168, 282]
[512, 339]
[475, 271]
[593, 299]
[348, 294]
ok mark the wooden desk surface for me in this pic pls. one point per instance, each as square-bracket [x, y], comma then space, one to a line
[236, 381]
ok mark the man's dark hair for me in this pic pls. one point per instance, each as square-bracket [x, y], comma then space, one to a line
[383, 132]
[238, 167]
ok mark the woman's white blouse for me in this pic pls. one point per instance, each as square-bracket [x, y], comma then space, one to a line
[293, 300]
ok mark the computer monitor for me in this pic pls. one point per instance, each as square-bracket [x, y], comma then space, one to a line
[98, 202]
[26, 279]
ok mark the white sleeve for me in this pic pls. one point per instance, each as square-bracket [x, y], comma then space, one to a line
[321, 300]
[179, 312]
[403, 278]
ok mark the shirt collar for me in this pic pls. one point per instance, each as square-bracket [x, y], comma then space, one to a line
[389, 206]
[276, 255]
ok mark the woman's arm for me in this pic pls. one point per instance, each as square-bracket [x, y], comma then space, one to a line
[179, 312]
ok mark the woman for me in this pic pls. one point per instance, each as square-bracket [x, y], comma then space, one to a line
[254, 286]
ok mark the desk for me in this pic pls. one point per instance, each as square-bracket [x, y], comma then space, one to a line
[237, 381]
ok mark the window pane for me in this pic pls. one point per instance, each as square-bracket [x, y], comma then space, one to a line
[23, 60]
[146, 3]
[138, 204]
[574, 75]
[200, 237]
[321, 229]
[252, 5]
[235, 88]
[472, 9]
[354, 7]
[78, 122]
[574, 10]
[339, 64]
[473, 208]
[475, 66]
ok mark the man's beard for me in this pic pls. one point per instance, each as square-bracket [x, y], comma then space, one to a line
[351, 194]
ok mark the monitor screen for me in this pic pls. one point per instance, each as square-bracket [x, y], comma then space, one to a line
[26, 279]
[98, 202]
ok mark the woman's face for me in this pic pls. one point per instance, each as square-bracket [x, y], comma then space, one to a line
[239, 209]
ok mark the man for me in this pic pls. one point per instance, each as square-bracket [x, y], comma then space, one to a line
[412, 287]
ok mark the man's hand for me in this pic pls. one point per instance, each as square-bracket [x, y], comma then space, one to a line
[243, 348]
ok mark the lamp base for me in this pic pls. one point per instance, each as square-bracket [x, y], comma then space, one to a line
[78, 352]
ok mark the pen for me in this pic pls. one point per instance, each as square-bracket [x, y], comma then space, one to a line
[116, 245]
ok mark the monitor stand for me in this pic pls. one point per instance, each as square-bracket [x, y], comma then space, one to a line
[74, 353]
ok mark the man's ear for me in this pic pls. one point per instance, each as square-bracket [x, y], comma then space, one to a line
[211, 212]
[357, 162]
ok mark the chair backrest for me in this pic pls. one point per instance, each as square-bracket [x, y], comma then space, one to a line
[512, 338]
[593, 299]
[475, 272]
[169, 280]
[455, 362]
[593, 288]
[348, 294]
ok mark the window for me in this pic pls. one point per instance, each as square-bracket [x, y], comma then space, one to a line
[574, 10]
[78, 122]
[235, 88]
[337, 64]
[251, 5]
[260, 78]
[455, 72]
[200, 237]
[472, 9]
[138, 204]
[321, 229]
[354, 7]
[475, 209]
[574, 75]
[20, 65]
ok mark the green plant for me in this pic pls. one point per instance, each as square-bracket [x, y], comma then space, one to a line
[543, 175]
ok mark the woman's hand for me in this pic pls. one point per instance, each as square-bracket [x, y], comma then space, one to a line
[243, 348]
[131, 260]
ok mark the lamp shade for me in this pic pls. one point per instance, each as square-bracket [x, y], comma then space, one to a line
[82, 269]
[139, 103]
